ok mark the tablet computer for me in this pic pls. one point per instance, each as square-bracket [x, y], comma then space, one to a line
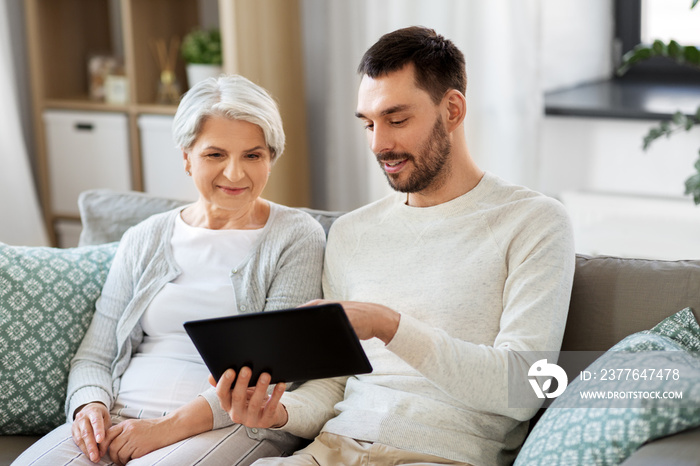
[291, 345]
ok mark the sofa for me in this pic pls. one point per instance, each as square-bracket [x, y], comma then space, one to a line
[613, 300]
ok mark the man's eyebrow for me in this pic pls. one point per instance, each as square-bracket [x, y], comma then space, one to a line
[388, 111]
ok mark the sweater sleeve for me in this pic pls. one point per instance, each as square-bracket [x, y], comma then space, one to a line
[540, 263]
[90, 377]
[311, 405]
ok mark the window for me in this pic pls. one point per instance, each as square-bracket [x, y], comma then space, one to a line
[643, 21]
[670, 19]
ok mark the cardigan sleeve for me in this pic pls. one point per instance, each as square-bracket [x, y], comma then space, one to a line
[90, 377]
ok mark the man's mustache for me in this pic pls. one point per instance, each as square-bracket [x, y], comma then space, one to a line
[393, 156]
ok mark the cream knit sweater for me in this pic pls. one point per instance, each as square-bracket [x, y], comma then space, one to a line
[474, 279]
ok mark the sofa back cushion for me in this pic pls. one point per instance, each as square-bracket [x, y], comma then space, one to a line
[614, 297]
[611, 297]
[107, 214]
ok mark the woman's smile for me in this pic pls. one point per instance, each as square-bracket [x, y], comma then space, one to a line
[232, 190]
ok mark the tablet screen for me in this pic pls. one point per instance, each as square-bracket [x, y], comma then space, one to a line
[291, 345]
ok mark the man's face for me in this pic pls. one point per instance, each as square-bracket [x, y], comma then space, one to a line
[405, 131]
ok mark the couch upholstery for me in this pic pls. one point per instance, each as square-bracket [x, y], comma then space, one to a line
[611, 298]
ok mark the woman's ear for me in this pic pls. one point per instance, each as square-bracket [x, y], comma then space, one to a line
[456, 107]
[186, 163]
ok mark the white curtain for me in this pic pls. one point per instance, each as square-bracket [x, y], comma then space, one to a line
[21, 222]
[499, 39]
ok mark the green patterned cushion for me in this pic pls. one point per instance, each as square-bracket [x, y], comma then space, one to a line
[47, 299]
[570, 436]
[682, 328]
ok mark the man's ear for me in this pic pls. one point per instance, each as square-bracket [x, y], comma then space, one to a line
[456, 109]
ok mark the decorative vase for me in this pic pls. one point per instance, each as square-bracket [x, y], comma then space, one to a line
[198, 72]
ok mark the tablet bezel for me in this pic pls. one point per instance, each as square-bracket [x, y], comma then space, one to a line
[292, 345]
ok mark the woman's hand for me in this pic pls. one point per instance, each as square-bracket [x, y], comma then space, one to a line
[251, 406]
[135, 438]
[89, 430]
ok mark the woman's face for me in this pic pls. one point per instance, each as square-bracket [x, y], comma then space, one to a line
[230, 163]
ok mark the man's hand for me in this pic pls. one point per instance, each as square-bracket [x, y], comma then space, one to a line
[368, 319]
[135, 438]
[251, 406]
[89, 430]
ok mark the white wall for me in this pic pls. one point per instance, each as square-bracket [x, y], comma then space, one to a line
[515, 51]
[605, 155]
[623, 201]
[15, 13]
[576, 42]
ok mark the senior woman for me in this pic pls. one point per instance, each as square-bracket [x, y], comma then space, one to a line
[138, 389]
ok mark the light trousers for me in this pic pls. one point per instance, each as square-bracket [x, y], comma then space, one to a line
[333, 450]
[222, 447]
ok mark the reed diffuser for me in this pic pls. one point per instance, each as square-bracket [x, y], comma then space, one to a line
[166, 57]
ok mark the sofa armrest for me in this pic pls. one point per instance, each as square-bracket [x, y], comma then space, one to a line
[682, 449]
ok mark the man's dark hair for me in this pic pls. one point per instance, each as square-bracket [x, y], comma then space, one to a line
[439, 64]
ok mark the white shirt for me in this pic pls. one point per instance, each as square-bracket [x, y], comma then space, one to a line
[166, 370]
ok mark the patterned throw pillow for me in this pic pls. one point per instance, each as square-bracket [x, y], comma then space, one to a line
[682, 328]
[47, 299]
[607, 435]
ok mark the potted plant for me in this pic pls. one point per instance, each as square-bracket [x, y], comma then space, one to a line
[201, 50]
[684, 55]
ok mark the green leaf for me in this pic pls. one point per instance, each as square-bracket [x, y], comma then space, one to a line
[679, 118]
[659, 47]
[697, 165]
[692, 186]
[697, 114]
[692, 183]
[202, 46]
[691, 55]
[695, 2]
[637, 54]
[676, 51]
[653, 134]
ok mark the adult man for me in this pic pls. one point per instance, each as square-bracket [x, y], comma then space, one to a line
[444, 282]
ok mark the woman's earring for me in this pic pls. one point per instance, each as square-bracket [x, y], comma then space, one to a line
[188, 173]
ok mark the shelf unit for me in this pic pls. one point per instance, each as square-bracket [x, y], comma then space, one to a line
[261, 40]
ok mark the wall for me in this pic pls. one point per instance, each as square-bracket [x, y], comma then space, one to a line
[515, 51]
[623, 201]
[21, 68]
[576, 42]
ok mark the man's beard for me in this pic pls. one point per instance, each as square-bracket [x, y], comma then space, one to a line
[430, 166]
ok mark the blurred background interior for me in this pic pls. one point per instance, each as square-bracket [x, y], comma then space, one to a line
[86, 91]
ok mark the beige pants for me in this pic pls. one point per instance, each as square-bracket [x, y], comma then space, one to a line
[333, 450]
[222, 447]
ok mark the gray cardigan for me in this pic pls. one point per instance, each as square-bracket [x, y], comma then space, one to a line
[283, 271]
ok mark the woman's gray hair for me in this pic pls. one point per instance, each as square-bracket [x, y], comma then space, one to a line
[233, 97]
